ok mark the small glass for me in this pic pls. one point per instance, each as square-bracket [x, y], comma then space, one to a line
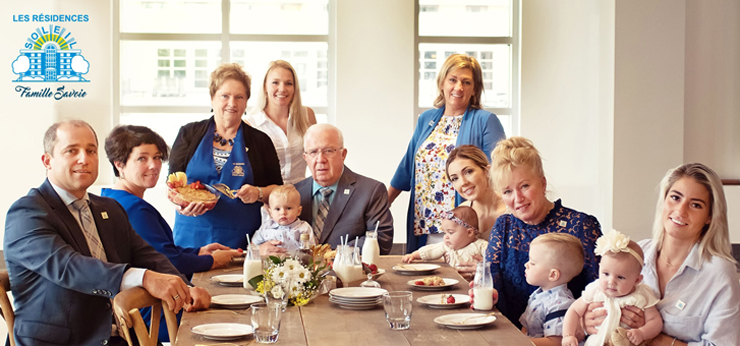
[398, 306]
[279, 295]
[266, 322]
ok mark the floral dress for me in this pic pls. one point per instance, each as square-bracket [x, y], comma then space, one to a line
[434, 193]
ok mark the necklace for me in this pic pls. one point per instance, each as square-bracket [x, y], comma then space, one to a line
[222, 141]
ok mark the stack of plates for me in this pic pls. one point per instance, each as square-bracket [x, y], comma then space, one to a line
[234, 301]
[358, 298]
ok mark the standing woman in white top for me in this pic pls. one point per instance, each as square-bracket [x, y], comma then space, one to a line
[280, 114]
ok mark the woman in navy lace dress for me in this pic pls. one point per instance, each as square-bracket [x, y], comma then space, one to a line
[516, 171]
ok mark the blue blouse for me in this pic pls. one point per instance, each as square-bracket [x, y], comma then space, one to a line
[508, 250]
[151, 226]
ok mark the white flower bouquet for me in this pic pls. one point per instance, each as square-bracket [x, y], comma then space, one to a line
[287, 277]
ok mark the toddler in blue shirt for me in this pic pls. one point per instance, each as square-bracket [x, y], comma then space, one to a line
[282, 222]
[554, 259]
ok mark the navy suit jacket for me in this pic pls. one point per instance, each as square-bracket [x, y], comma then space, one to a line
[359, 202]
[62, 294]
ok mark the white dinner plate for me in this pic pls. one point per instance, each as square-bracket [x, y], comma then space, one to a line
[235, 301]
[415, 268]
[357, 292]
[223, 331]
[472, 320]
[233, 280]
[448, 283]
[439, 301]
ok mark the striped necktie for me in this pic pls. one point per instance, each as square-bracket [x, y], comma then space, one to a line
[90, 230]
[323, 211]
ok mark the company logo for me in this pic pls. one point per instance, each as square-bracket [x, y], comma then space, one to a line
[49, 57]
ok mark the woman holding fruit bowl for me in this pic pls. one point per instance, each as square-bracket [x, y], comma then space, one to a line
[224, 149]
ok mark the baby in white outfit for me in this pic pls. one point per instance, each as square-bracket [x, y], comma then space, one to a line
[461, 240]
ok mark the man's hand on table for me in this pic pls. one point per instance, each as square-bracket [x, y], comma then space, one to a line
[169, 288]
[201, 299]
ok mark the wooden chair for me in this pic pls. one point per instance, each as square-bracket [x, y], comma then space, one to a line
[126, 307]
[6, 309]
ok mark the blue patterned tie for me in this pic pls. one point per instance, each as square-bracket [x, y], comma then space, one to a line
[323, 211]
[90, 230]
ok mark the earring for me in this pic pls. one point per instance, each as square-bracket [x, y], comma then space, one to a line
[122, 177]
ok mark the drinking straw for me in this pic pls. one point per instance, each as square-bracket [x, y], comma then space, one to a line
[356, 237]
[376, 228]
[248, 241]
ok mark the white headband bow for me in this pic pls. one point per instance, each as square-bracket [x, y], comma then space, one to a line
[615, 242]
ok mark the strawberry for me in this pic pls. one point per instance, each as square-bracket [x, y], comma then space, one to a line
[419, 283]
[373, 269]
[450, 299]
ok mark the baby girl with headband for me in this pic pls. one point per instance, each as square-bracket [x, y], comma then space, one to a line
[461, 241]
[618, 286]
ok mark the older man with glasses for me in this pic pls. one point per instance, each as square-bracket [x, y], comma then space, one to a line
[336, 201]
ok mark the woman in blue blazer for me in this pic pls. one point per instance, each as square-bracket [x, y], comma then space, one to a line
[457, 119]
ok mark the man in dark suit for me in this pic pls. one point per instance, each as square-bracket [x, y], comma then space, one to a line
[336, 201]
[69, 253]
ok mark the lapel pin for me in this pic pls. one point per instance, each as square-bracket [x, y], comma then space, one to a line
[680, 305]
[346, 191]
[431, 122]
[104, 215]
[563, 223]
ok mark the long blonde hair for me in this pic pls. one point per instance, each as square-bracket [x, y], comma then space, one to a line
[715, 237]
[297, 115]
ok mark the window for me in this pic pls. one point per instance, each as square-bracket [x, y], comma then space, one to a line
[167, 50]
[490, 35]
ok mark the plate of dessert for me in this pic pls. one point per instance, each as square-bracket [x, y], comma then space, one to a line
[432, 283]
[444, 301]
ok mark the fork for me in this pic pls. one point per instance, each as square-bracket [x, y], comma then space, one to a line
[225, 190]
[474, 317]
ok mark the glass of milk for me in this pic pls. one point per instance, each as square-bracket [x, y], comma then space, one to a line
[370, 248]
[252, 264]
[483, 287]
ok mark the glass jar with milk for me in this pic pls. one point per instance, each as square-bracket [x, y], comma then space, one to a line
[483, 287]
[370, 248]
[252, 264]
[346, 265]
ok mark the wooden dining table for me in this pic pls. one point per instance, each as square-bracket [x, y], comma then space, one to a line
[321, 322]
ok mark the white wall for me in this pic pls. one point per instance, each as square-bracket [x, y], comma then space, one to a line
[560, 97]
[613, 93]
[375, 110]
[712, 105]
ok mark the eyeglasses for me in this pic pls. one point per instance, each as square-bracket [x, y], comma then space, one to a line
[327, 152]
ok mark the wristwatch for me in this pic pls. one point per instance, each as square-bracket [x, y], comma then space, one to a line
[260, 197]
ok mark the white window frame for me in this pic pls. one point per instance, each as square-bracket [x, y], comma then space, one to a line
[225, 37]
[513, 41]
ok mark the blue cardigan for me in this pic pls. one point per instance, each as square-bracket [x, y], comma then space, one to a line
[151, 226]
[479, 127]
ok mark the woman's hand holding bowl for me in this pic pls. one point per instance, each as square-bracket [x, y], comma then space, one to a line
[193, 209]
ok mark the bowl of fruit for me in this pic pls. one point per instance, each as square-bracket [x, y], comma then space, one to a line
[182, 194]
